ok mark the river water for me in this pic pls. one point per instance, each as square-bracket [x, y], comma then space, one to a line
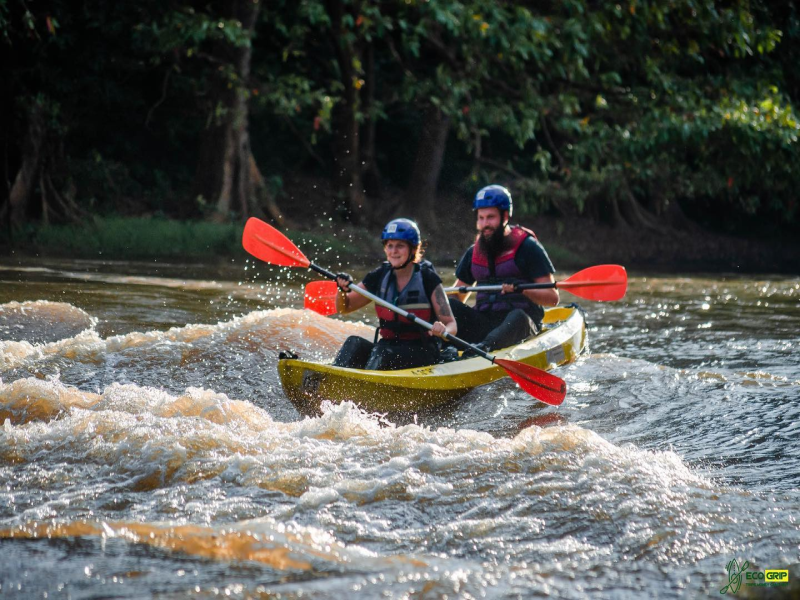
[147, 449]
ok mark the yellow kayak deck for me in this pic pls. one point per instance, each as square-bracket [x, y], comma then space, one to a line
[307, 384]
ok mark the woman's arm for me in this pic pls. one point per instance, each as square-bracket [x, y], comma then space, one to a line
[349, 301]
[444, 316]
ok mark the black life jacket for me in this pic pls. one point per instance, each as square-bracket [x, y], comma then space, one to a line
[412, 299]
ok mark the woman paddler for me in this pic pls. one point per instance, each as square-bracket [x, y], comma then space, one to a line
[410, 283]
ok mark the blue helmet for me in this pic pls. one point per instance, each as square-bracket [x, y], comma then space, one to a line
[493, 195]
[401, 229]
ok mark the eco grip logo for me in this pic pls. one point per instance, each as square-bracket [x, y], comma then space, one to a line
[734, 576]
[738, 574]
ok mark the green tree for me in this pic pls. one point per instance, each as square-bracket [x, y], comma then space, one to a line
[637, 110]
[644, 113]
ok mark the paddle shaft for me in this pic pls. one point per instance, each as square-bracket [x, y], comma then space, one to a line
[403, 313]
[528, 286]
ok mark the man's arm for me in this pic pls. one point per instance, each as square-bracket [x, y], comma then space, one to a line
[546, 297]
[535, 264]
[463, 272]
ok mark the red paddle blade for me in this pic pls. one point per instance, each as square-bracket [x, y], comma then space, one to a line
[270, 245]
[321, 297]
[540, 384]
[604, 283]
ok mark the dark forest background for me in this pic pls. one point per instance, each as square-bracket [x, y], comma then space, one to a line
[647, 115]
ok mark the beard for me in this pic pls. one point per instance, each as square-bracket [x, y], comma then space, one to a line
[494, 244]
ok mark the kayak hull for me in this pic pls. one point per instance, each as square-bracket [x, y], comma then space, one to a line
[308, 384]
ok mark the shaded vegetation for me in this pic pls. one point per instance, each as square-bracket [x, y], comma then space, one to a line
[134, 237]
[139, 238]
[641, 114]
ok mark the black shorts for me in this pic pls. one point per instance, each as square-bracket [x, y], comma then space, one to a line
[387, 355]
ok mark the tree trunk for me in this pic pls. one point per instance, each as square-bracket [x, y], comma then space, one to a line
[608, 211]
[667, 211]
[372, 176]
[69, 210]
[616, 206]
[223, 178]
[264, 204]
[5, 141]
[421, 191]
[25, 181]
[672, 213]
[348, 184]
[635, 214]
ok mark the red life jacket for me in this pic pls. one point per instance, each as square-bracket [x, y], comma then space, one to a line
[412, 299]
[503, 269]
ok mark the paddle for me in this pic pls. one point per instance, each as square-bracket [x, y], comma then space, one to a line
[320, 297]
[603, 283]
[268, 244]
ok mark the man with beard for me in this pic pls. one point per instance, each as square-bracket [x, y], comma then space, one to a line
[502, 254]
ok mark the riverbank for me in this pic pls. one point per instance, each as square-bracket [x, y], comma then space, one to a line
[575, 243]
[671, 251]
[572, 243]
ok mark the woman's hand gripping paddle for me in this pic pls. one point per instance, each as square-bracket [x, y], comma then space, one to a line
[268, 244]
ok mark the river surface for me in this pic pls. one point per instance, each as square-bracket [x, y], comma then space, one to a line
[147, 449]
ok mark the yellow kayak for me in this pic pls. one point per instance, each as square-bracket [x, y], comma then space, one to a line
[307, 384]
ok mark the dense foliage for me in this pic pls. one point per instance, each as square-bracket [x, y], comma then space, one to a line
[645, 113]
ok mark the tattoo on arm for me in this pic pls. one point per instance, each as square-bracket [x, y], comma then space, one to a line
[442, 305]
